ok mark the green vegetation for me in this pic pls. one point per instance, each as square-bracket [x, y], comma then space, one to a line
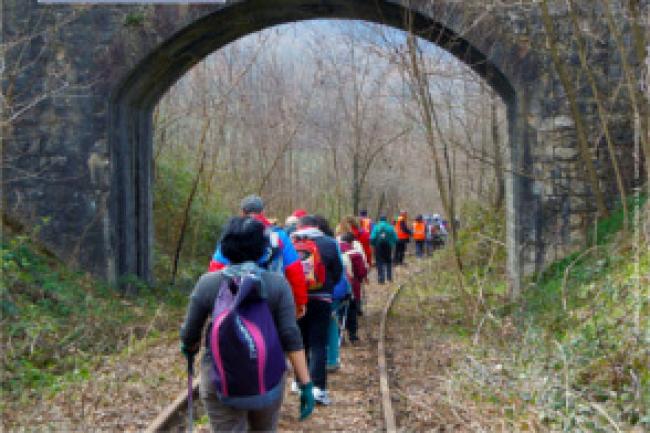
[133, 20]
[572, 354]
[58, 324]
[175, 173]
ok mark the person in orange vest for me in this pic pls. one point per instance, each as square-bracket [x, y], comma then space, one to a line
[419, 235]
[403, 237]
[365, 221]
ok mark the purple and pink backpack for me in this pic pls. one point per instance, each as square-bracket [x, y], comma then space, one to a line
[248, 360]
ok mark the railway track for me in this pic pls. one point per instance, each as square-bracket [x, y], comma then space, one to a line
[173, 418]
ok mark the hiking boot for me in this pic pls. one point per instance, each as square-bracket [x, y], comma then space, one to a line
[321, 396]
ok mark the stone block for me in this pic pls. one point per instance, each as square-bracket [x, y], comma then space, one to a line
[576, 239]
[576, 220]
[565, 153]
[563, 121]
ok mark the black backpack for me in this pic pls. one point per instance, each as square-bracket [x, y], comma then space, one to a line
[383, 238]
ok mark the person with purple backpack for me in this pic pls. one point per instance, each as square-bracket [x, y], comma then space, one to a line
[253, 326]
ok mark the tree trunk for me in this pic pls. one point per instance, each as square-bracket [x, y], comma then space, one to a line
[188, 203]
[498, 157]
[356, 184]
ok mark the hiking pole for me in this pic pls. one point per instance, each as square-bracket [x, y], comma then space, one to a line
[190, 405]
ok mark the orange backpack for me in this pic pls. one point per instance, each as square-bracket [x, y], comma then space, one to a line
[312, 263]
[366, 223]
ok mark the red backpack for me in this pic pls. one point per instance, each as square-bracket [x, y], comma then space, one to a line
[312, 263]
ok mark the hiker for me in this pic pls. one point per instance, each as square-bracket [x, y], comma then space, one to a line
[441, 234]
[340, 301]
[365, 222]
[347, 226]
[384, 240]
[356, 270]
[290, 224]
[340, 297]
[403, 237]
[322, 267]
[431, 230]
[250, 307]
[362, 236]
[419, 235]
[281, 256]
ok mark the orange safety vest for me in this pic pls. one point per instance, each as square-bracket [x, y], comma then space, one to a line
[419, 230]
[365, 223]
[398, 229]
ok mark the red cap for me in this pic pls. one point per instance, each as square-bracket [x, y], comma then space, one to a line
[299, 213]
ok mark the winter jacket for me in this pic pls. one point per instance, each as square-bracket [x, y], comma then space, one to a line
[402, 229]
[366, 224]
[287, 259]
[419, 230]
[383, 249]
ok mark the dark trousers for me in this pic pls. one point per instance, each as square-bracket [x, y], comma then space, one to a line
[419, 248]
[400, 248]
[428, 246]
[384, 270]
[351, 321]
[314, 328]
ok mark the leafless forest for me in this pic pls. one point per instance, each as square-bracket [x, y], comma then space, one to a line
[324, 115]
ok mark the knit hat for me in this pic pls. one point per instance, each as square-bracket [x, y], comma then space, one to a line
[252, 204]
[243, 240]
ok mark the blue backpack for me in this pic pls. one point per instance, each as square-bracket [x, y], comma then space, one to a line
[247, 356]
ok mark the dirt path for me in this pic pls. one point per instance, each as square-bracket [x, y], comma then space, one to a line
[354, 389]
[126, 392]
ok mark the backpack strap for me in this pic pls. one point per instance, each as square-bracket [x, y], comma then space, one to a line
[246, 279]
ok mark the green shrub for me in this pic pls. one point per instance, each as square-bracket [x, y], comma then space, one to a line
[207, 216]
[55, 320]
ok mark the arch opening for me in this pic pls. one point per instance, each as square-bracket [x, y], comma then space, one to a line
[133, 102]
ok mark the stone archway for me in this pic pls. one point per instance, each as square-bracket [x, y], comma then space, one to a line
[92, 136]
[134, 100]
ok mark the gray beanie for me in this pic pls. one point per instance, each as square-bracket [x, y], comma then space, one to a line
[252, 204]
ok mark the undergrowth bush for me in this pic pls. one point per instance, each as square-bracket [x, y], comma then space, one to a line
[56, 323]
[172, 186]
[573, 354]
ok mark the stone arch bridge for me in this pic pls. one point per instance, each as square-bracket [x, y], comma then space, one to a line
[80, 83]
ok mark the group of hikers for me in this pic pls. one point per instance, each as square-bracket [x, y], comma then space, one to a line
[274, 294]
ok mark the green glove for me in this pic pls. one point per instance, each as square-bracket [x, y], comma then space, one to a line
[306, 400]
